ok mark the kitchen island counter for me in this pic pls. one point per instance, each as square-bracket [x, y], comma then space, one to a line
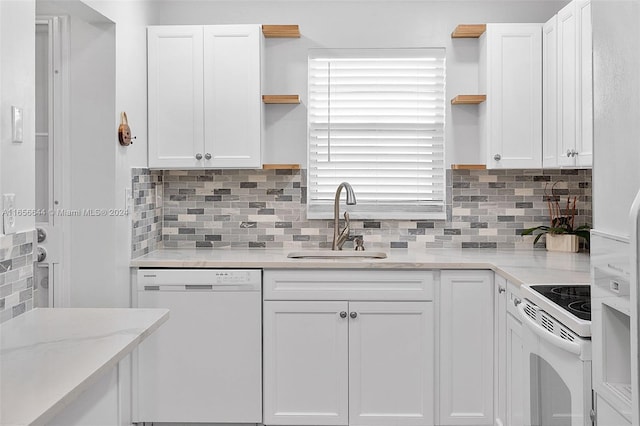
[49, 357]
[518, 266]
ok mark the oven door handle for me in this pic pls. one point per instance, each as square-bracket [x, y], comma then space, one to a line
[545, 334]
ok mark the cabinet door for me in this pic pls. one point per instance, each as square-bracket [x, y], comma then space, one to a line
[232, 96]
[305, 346]
[175, 96]
[550, 93]
[584, 144]
[607, 415]
[568, 84]
[391, 356]
[466, 348]
[500, 348]
[514, 95]
[515, 373]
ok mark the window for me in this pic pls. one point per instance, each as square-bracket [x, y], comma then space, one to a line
[376, 120]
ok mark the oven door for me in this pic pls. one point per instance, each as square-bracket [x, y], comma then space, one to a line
[557, 373]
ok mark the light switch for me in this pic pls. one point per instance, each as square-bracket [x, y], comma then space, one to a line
[9, 213]
[16, 124]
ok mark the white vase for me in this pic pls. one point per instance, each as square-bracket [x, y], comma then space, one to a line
[562, 242]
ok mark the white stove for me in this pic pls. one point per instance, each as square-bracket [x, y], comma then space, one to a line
[556, 332]
[568, 304]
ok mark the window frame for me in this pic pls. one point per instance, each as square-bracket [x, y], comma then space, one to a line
[411, 210]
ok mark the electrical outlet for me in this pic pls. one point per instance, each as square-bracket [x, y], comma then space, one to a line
[159, 196]
[9, 213]
[128, 199]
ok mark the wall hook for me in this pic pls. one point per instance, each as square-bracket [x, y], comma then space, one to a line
[124, 132]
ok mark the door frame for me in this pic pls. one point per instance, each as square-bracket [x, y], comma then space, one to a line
[59, 131]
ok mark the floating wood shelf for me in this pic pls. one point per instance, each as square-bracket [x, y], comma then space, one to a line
[280, 166]
[469, 31]
[468, 99]
[281, 31]
[468, 166]
[281, 99]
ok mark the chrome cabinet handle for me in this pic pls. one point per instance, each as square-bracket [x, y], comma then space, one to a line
[353, 314]
[497, 157]
[501, 290]
[42, 234]
[568, 153]
[207, 156]
[343, 314]
[198, 156]
[516, 302]
[41, 254]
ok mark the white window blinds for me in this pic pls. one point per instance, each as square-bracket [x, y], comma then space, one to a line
[376, 120]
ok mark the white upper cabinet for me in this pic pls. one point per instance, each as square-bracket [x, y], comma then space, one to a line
[550, 93]
[205, 108]
[511, 77]
[568, 101]
[175, 85]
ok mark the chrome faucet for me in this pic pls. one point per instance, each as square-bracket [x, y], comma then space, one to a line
[339, 237]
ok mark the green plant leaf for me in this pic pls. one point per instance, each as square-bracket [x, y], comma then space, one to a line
[538, 237]
[529, 231]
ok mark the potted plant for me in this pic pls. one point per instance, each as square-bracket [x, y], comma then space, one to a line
[561, 234]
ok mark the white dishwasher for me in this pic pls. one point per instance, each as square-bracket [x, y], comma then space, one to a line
[204, 365]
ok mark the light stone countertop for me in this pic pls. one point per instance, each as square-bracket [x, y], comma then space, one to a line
[48, 357]
[518, 266]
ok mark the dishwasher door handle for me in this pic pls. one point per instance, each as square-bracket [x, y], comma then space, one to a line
[220, 287]
[198, 287]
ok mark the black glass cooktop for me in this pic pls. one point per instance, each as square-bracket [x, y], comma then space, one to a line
[576, 299]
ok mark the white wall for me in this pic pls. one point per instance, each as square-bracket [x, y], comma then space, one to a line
[92, 164]
[131, 19]
[17, 87]
[360, 24]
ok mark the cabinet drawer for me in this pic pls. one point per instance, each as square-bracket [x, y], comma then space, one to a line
[513, 293]
[347, 284]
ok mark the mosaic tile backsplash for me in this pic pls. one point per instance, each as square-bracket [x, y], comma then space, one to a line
[16, 274]
[147, 215]
[266, 209]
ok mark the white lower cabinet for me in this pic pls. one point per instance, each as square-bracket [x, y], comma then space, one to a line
[515, 373]
[391, 363]
[607, 415]
[500, 355]
[105, 403]
[306, 363]
[347, 362]
[466, 348]
[508, 361]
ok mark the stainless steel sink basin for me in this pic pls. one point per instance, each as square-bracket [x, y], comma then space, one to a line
[336, 254]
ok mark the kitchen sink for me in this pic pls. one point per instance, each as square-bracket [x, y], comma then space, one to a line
[336, 254]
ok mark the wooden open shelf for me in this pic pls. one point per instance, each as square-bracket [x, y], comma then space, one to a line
[281, 167]
[469, 31]
[281, 99]
[468, 99]
[468, 166]
[281, 31]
